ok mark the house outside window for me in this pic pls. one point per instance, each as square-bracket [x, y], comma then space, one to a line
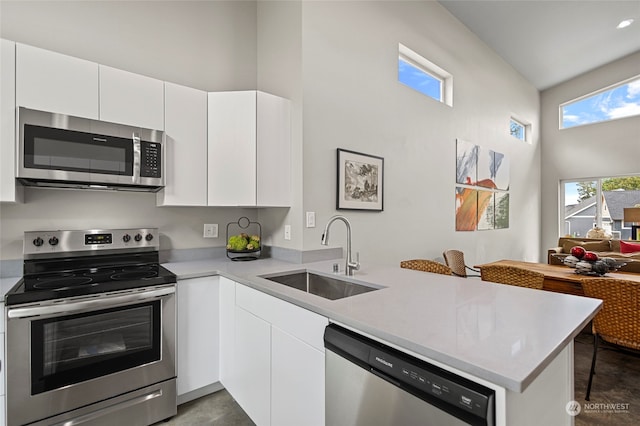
[598, 202]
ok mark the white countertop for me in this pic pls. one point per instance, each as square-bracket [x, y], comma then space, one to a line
[504, 334]
[7, 284]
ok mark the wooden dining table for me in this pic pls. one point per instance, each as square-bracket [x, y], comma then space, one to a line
[561, 279]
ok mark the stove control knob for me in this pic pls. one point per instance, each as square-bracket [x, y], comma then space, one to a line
[38, 242]
[126, 238]
[138, 237]
[53, 241]
[148, 237]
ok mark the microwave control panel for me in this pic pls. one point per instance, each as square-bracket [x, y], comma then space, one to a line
[150, 159]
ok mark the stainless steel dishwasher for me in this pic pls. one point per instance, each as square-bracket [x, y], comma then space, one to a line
[368, 384]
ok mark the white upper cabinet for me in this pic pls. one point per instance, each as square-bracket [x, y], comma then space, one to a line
[9, 190]
[249, 149]
[186, 147]
[54, 82]
[274, 151]
[132, 99]
[232, 149]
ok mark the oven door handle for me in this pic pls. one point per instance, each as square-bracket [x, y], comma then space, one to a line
[103, 302]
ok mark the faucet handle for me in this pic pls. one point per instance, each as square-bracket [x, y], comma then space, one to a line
[357, 264]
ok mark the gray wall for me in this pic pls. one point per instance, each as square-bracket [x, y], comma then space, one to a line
[610, 148]
[207, 45]
[337, 62]
[352, 100]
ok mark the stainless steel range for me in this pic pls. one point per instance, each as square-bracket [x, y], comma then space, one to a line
[91, 331]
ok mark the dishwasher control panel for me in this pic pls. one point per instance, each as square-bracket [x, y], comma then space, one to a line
[434, 383]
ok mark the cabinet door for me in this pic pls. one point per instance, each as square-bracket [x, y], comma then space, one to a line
[253, 366]
[9, 190]
[50, 81]
[297, 381]
[273, 151]
[186, 147]
[198, 339]
[232, 149]
[227, 333]
[132, 99]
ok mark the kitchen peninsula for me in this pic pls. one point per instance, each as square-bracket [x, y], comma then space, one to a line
[516, 341]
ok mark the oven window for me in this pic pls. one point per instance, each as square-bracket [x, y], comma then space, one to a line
[75, 348]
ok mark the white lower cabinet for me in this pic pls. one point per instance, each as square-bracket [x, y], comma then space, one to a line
[253, 366]
[227, 333]
[198, 339]
[297, 381]
[272, 357]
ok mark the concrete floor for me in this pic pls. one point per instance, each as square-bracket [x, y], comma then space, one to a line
[617, 382]
[217, 409]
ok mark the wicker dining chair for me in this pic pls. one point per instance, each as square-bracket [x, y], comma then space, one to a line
[455, 260]
[426, 266]
[618, 322]
[512, 275]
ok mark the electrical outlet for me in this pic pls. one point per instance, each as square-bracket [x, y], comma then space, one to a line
[210, 230]
[311, 219]
[287, 232]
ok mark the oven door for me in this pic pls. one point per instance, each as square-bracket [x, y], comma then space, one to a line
[66, 355]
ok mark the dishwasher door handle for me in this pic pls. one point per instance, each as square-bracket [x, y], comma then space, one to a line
[387, 378]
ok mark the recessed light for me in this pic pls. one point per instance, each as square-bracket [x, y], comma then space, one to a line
[625, 23]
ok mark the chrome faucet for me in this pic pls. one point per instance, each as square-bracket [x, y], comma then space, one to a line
[350, 264]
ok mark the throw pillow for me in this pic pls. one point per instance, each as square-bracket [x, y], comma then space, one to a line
[626, 247]
[603, 245]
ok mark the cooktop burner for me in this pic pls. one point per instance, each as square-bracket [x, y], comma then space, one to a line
[93, 276]
[77, 263]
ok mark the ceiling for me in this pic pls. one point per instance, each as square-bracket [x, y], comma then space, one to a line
[550, 41]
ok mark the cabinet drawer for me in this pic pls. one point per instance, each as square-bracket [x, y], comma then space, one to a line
[299, 322]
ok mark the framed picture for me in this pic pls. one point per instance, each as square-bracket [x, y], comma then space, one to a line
[360, 181]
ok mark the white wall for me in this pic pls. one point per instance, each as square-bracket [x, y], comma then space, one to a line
[352, 100]
[597, 150]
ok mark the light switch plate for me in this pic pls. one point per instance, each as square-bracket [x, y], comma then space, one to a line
[287, 232]
[311, 219]
[210, 230]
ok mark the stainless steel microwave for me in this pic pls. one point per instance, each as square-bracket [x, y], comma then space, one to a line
[56, 150]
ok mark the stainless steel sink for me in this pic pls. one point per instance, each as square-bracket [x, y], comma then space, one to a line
[326, 286]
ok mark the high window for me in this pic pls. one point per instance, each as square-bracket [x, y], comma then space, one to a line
[518, 129]
[598, 202]
[424, 76]
[618, 101]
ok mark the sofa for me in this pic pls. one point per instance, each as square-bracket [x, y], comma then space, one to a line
[602, 247]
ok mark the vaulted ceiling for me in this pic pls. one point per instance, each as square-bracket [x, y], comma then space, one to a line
[548, 41]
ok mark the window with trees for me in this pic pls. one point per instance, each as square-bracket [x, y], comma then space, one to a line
[598, 202]
[519, 130]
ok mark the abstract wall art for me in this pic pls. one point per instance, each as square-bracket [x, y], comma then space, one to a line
[482, 178]
[466, 162]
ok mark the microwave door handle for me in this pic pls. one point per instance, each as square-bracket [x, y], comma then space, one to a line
[135, 179]
[81, 306]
